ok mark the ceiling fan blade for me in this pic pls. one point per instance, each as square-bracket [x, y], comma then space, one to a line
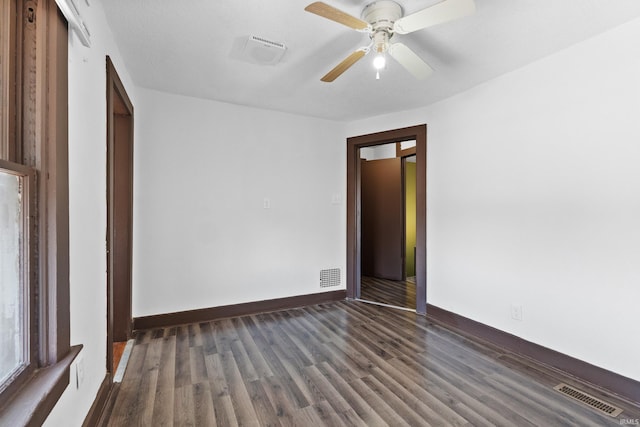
[330, 12]
[448, 10]
[410, 61]
[344, 65]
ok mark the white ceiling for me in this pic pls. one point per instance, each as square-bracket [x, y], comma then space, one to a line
[192, 47]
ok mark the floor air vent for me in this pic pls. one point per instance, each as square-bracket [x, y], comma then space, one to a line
[330, 277]
[598, 404]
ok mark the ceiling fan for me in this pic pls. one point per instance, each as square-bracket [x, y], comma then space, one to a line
[383, 19]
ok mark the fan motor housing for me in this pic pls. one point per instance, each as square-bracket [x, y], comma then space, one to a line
[382, 14]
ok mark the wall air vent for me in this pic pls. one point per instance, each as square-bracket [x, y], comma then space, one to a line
[595, 403]
[259, 50]
[330, 277]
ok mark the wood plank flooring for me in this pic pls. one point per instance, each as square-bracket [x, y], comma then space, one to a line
[398, 293]
[344, 363]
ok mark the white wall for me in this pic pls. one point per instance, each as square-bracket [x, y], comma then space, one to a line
[384, 151]
[202, 237]
[533, 199]
[87, 209]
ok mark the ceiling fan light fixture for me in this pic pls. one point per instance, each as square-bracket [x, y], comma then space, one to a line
[379, 62]
[382, 19]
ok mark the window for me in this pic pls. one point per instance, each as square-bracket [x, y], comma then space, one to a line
[12, 283]
[35, 351]
[15, 260]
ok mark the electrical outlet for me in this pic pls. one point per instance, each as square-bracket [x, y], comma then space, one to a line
[516, 312]
[79, 371]
[266, 203]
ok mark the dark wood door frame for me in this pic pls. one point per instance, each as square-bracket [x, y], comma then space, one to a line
[419, 134]
[119, 193]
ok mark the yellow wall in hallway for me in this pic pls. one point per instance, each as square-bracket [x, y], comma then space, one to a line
[410, 217]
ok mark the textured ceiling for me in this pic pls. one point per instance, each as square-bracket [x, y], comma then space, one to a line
[192, 48]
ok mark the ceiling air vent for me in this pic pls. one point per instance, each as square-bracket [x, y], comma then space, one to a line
[259, 50]
[595, 403]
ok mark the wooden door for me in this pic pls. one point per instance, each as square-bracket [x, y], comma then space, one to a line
[382, 219]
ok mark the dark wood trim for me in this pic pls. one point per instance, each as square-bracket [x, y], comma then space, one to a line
[9, 147]
[103, 421]
[403, 181]
[55, 153]
[117, 84]
[213, 313]
[596, 376]
[41, 133]
[33, 403]
[353, 229]
[419, 134]
[99, 403]
[421, 220]
[42, 138]
[120, 122]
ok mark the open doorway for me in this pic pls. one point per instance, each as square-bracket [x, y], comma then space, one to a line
[387, 218]
[355, 247]
[119, 216]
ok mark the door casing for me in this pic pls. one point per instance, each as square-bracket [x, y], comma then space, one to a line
[119, 211]
[354, 231]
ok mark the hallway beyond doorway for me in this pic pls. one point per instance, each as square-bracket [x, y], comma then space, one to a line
[397, 293]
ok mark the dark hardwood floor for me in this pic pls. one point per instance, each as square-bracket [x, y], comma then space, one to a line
[344, 363]
[398, 293]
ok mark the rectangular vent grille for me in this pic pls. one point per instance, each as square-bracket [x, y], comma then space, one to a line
[268, 42]
[588, 400]
[330, 277]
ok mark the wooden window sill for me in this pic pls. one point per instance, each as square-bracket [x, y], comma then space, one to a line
[31, 405]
